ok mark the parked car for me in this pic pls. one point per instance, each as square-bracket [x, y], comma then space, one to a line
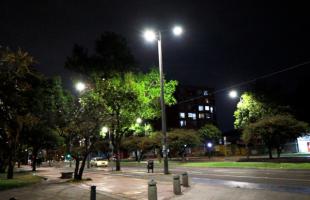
[99, 162]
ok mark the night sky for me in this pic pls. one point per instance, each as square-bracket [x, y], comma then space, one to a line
[225, 42]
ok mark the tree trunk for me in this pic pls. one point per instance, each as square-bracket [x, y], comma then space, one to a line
[10, 167]
[76, 170]
[279, 150]
[2, 166]
[80, 175]
[141, 156]
[248, 151]
[11, 162]
[34, 160]
[136, 155]
[270, 152]
[118, 160]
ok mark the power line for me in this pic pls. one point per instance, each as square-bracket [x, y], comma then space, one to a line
[263, 76]
[252, 80]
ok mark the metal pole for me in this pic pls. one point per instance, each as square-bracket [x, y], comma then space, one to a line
[152, 190]
[162, 103]
[93, 192]
[70, 149]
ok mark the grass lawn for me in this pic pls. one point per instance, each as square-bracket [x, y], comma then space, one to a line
[258, 165]
[20, 179]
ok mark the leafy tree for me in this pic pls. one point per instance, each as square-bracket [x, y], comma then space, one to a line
[274, 131]
[253, 107]
[87, 122]
[210, 132]
[249, 110]
[42, 134]
[112, 55]
[125, 98]
[180, 139]
[116, 95]
[141, 144]
[17, 80]
[147, 88]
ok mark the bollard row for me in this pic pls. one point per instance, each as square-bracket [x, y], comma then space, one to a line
[152, 188]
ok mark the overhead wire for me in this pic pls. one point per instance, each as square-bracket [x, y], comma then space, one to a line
[251, 80]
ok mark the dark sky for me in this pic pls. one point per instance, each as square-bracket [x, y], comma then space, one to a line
[225, 42]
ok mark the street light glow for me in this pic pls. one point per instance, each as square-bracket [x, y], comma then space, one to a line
[177, 30]
[139, 120]
[103, 131]
[209, 144]
[149, 35]
[233, 94]
[80, 86]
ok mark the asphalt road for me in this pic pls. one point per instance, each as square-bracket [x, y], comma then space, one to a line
[296, 181]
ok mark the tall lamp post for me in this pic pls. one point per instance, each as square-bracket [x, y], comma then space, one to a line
[233, 94]
[80, 87]
[150, 36]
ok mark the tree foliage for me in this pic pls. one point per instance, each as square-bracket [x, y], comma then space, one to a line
[250, 109]
[180, 139]
[274, 131]
[18, 79]
[112, 55]
[210, 132]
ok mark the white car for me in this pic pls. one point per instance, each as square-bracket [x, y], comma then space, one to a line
[99, 162]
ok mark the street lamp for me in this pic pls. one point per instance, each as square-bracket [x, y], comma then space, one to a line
[139, 120]
[150, 36]
[79, 86]
[233, 94]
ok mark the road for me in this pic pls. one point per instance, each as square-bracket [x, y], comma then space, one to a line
[296, 181]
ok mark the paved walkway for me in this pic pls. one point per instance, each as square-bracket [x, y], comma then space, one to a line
[132, 184]
[109, 185]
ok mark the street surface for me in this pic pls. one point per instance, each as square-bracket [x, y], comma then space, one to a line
[206, 183]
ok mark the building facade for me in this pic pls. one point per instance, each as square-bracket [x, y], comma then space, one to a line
[195, 107]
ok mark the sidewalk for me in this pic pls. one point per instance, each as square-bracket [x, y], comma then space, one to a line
[115, 185]
[132, 184]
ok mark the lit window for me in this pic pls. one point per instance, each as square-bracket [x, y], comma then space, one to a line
[201, 116]
[211, 109]
[192, 115]
[207, 108]
[200, 108]
[182, 123]
[205, 93]
[182, 115]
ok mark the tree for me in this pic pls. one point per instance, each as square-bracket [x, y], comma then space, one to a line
[147, 88]
[87, 122]
[127, 97]
[274, 131]
[180, 139]
[120, 101]
[210, 132]
[141, 144]
[249, 110]
[42, 133]
[253, 107]
[17, 80]
[112, 55]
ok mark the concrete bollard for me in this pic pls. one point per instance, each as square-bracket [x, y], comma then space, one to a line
[185, 179]
[176, 185]
[92, 192]
[152, 190]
